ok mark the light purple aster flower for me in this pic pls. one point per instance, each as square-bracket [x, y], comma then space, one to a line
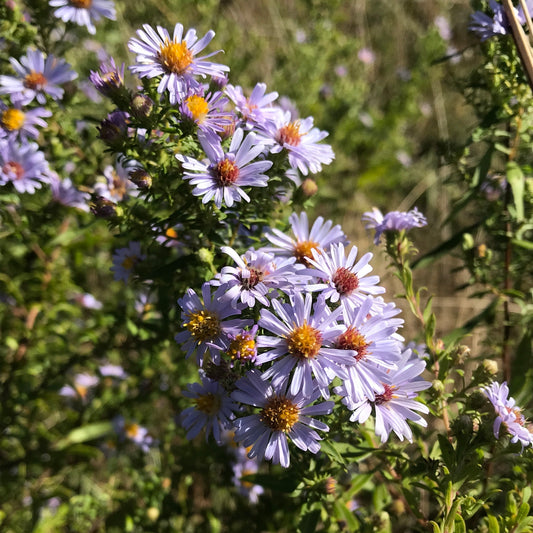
[207, 111]
[300, 139]
[174, 59]
[256, 109]
[16, 123]
[344, 279]
[205, 324]
[397, 403]
[509, 415]
[36, 77]
[255, 276]
[125, 259]
[302, 345]
[213, 410]
[133, 432]
[117, 186]
[246, 467]
[371, 343]
[221, 178]
[88, 301]
[284, 415]
[80, 387]
[110, 79]
[22, 165]
[322, 235]
[64, 192]
[84, 12]
[112, 371]
[393, 221]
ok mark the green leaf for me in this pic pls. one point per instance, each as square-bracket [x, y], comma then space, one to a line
[277, 483]
[515, 178]
[85, 433]
[309, 521]
[494, 526]
[523, 244]
[460, 526]
[436, 528]
[343, 513]
[331, 450]
[448, 453]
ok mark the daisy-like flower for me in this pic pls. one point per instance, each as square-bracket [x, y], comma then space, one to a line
[174, 59]
[321, 236]
[344, 279]
[205, 324]
[64, 192]
[117, 186]
[246, 467]
[110, 80]
[256, 275]
[373, 347]
[221, 178]
[213, 410]
[16, 123]
[300, 139]
[112, 371]
[486, 26]
[87, 300]
[37, 76]
[508, 414]
[284, 415]
[206, 111]
[393, 221]
[302, 345]
[125, 259]
[256, 109]
[397, 403]
[80, 388]
[22, 165]
[133, 432]
[84, 12]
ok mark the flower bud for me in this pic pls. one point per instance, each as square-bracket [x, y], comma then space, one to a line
[490, 366]
[104, 208]
[309, 187]
[330, 485]
[152, 513]
[141, 178]
[141, 106]
[205, 255]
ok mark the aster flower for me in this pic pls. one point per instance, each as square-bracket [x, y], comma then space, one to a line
[134, 432]
[256, 109]
[117, 186]
[300, 139]
[508, 414]
[397, 403]
[88, 301]
[84, 12]
[80, 387]
[16, 123]
[125, 259]
[174, 59]
[255, 276]
[64, 192]
[246, 467]
[37, 76]
[113, 371]
[393, 221]
[344, 279]
[302, 345]
[284, 415]
[205, 324]
[110, 80]
[222, 178]
[206, 110]
[322, 235]
[213, 410]
[371, 343]
[22, 165]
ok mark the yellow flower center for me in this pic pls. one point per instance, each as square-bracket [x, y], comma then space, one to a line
[81, 390]
[14, 168]
[290, 134]
[13, 119]
[198, 107]
[304, 342]
[351, 339]
[279, 414]
[131, 430]
[208, 403]
[129, 262]
[175, 57]
[171, 233]
[227, 172]
[303, 249]
[81, 4]
[242, 347]
[35, 80]
[203, 325]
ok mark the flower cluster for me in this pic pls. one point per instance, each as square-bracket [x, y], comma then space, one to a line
[283, 331]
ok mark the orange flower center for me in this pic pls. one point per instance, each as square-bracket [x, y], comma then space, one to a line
[242, 347]
[131, 430]
[303, 249]
[35, 80]
[171, 233]
[279, 414]
[345, 281]
[13, 119]
[304, 342]
[81, 4]
[175, 57]
[290, 134]
[351, 339]
[227, 172]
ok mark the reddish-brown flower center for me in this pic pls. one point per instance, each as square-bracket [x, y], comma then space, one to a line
[256, 276]
[290, 134]
[35, 80]
[13, 167]
[279, 414]
[304, 342]
[385, 396]
[227, 172]
[345, 281]
[351, 339]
